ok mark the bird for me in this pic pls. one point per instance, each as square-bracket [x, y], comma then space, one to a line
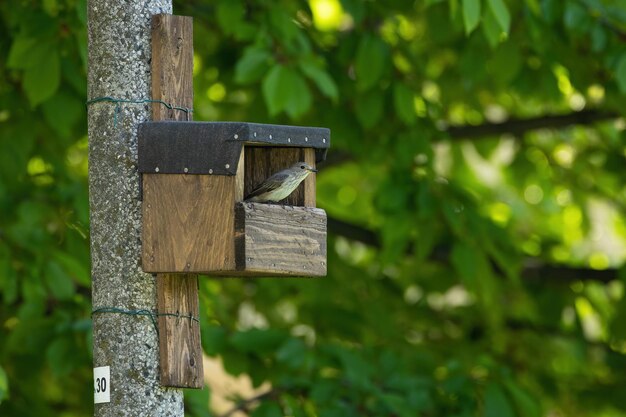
[278, 186]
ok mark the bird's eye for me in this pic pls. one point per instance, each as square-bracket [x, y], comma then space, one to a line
[302, 166]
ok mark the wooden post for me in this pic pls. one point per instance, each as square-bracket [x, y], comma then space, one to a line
[177, 294]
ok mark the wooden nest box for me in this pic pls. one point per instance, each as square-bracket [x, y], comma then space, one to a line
[194, 179]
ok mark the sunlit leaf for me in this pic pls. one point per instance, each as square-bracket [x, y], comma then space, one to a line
[501, 13]
[372, 60]
[285, 90]
[404, 103]
[496, 402]
[322, 80]
[254, 63]
[525, 404]
[471, 15]
[4, 385]
[42, 84]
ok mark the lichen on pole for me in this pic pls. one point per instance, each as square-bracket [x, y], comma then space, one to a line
[119, 67]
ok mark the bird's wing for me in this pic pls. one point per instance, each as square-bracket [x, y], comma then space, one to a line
[269, 184]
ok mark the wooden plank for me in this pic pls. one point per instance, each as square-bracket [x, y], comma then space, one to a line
[179, 296]
[309, 184]
[172, 65]
[263, 161]
[239, 178]
[188, 223]
[172, 82]
[280, 240]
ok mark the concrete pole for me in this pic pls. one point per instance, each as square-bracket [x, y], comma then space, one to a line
[119, 66]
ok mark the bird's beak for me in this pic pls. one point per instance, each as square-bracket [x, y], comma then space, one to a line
[313, 170]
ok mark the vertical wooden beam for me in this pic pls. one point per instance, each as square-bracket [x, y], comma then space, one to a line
[172, 82]
[308, 156]
[172, 65]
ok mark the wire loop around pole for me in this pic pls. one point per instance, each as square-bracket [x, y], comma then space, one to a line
[153, 316]
[119, 101]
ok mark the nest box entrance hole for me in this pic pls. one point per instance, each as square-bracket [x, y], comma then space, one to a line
[262, 161]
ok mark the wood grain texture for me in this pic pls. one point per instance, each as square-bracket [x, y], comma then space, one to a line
[172, 65]
[280, 240]
[263, 161]
[172, 82]
[188, 223]
[239, 178]
[180, 335]
[308, 156]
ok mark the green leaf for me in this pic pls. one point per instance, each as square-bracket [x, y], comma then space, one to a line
[42, 81]
[257, 340]
[491, 29]
[254, 63]
[372, 60]
[471, 15]
[496, 402]
[534, 7]
[51, 7]
[501, 13]
[275, 95]
[75, 268]
[21, 53]
[62, 112]
[369, 109]
[285, 90]
[403, 103]
[213, 340]
[229, 15]
[235, 363]
[463, 258]
[322, 80]
[396, 235]
[525, 404]
[60, 285]
[292, 353]
[267, 409]
[197, 402]
[60, 355]
[282, 24]
[577, 18]
[81, 11]
[4, 385]
[505, 63]
[73, 73]
[598, 38]
[620, 74]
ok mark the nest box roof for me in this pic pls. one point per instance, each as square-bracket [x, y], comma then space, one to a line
[214, 147]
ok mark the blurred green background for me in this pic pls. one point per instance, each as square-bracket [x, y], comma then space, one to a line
[475, 192]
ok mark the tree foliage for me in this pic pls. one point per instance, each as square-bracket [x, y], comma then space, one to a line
[474, 263]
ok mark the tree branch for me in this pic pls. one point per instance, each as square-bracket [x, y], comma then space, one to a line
[518, 127]
[513, 126]
[244, 404]
[533, 269]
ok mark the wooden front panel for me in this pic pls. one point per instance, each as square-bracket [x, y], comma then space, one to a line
[275, 240]
[188, 223]
[262, 161]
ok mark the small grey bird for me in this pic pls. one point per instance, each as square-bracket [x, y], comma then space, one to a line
[281, 184]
